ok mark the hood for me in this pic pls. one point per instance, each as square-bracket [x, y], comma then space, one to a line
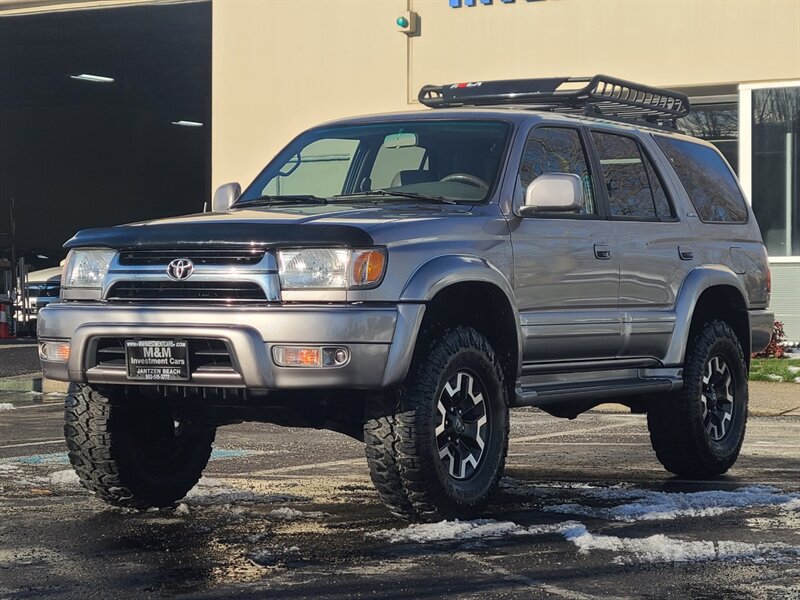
[52, 274]
[331, 224]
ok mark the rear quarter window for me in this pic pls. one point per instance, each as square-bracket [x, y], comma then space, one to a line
[707, 179]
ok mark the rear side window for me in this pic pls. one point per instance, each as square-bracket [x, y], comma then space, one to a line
[707, 179]
[634, 189]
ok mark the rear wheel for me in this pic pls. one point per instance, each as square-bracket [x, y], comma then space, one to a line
[134, 451]
[437, 450]
[698, 431]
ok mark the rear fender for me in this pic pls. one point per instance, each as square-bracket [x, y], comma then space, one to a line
[696, 282]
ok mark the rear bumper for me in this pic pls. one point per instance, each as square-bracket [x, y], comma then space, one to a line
[761, 323]
[380, 340]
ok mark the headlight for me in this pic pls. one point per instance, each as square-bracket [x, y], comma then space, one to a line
[87, 268]
[331, 268]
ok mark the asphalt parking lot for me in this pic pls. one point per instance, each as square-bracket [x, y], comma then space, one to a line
[584, 511]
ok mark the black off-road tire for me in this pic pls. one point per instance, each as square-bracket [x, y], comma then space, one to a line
[402, 445]
[679, 432]
[111, 443]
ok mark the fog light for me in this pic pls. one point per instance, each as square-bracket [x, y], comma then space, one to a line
[340, 356]
[297, 356]
[310, 356]
[55, 351]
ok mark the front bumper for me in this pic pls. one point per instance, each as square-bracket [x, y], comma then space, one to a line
[380, 340]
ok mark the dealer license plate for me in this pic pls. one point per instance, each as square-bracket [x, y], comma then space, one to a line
[157, 360]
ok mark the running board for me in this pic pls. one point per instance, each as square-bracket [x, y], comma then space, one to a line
[580, 395]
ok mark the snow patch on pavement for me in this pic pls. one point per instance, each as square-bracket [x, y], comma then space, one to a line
[463, 530]
[271, 557]
[647, 505]
[215, 491]
[661, 548]
[66, 477]
[652, 549]
[291, 514]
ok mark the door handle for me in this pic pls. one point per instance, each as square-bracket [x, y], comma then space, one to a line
[602, 251]
[685, 252]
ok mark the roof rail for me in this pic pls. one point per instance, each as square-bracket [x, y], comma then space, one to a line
[602, 96]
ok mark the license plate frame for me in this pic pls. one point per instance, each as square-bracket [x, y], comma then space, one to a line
[165, 360]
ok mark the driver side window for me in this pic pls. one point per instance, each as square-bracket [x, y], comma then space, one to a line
[556, 150]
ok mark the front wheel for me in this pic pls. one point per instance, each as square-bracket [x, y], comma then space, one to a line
[134, 451]
[437, 451]
[698, 431]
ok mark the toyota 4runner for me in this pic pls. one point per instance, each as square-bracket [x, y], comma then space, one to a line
[406, 279]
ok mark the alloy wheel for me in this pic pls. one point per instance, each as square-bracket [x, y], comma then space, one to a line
[717, 397]
[463, 429]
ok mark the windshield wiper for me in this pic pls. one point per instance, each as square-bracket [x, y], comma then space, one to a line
[275, 200]
[397, 194]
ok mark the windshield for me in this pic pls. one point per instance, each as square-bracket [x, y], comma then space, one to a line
[455, 160]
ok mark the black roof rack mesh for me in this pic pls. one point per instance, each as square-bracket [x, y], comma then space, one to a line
[602, 96]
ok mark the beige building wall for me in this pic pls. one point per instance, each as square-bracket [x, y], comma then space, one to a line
[280, 66]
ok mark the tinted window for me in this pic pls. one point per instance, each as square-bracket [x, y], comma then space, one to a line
[634, 189]
[707, 179]
[557, 150]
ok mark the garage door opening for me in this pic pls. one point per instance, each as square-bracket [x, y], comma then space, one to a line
[104, 119]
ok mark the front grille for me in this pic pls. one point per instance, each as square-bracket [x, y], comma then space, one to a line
[204, 354]
[198, 257]
[199, 291]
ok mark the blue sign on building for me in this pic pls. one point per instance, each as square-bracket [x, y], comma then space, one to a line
[459, 3]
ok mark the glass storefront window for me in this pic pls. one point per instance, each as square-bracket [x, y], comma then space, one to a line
[776, 167]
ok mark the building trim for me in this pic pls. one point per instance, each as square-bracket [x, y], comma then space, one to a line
[760, 85]
[791, 260]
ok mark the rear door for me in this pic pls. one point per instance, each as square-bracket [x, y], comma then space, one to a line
[566, 268]
[655, 245]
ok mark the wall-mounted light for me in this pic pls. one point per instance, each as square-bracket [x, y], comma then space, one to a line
[92, 78]
[408, 23]
[183, 123]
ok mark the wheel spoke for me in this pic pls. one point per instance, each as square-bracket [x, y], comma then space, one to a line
[442, 419]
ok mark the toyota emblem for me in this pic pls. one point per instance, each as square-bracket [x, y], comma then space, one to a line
[180, 269]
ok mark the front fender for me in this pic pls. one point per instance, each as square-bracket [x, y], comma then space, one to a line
[443, 271]
[696, 282]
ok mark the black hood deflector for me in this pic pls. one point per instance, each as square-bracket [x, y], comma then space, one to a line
[220, 234]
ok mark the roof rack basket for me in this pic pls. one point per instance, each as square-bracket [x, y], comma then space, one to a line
[602, 96]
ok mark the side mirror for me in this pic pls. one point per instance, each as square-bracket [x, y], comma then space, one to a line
[553, 193]
[225, 196]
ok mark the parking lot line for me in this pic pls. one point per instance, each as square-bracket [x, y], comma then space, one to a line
[545, 436]
[41, 443]
[38, 405]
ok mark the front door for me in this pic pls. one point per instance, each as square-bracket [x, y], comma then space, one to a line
[566, 266]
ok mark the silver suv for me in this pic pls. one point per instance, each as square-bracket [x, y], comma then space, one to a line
[406, 279]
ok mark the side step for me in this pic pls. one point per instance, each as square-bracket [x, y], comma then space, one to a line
[569, 397]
